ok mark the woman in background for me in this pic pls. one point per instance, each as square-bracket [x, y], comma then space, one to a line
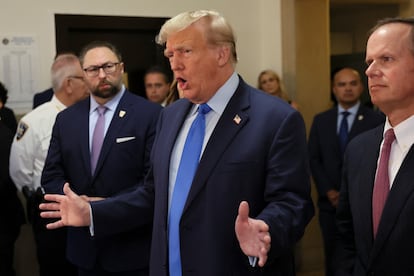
[270, 82]
[174, 94]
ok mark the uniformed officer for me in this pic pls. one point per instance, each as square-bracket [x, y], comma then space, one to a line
[29, 151]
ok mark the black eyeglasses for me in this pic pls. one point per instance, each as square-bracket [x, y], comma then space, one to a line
[109, 68]
[76, 77]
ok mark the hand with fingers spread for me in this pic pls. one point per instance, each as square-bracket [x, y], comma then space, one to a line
[70, 209]
[252, 234]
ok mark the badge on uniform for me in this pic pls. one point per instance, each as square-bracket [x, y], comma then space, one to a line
[21, 130]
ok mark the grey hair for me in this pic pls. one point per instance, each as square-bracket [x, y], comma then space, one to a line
[218, 30]
[65, 65]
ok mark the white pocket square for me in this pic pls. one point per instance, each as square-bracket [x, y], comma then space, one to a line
[124, 139]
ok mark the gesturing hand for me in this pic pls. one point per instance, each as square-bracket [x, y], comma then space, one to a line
[252, 234]
[70, 209]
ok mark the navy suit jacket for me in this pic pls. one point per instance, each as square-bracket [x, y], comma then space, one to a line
[42, 97]
[324, 151]
[261, 159]
[121, 167]
[392, 251]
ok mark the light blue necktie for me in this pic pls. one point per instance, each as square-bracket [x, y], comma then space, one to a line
[343, 131]
[185, 174]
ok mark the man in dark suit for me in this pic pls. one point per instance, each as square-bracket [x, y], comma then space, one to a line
[11, 209]
[42, 97]
[253, 162]
[376, 204]
[128, 130]
[325, 151]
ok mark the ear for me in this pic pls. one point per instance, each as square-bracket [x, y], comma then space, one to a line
[223, 55]
[121, 67]
[67, 85]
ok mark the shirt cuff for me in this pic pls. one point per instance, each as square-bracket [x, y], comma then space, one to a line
[91, 229]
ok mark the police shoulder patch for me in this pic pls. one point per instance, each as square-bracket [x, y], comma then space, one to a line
[21, 130]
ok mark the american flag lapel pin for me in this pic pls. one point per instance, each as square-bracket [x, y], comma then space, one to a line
[237, 119]
[122, 113]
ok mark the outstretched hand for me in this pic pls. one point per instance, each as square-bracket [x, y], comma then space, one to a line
[70, 209]
[252, 234]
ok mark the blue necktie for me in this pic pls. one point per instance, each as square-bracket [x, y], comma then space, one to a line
[343, 131]
[185, 174]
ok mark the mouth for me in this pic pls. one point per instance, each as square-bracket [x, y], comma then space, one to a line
[104, 86]
[182, 83]
[375, 86]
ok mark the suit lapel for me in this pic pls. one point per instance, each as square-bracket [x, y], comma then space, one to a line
[84, 134]
[401, 190]
[172, 119]
[366, 169]
[233, 119]
[332, 120]
[357, 124]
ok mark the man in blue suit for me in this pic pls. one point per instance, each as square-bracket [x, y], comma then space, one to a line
[129, 131]
[326, 153]
[249, 199]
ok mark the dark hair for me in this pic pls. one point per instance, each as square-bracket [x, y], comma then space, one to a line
[3, 93]
[157, 69]
[98, 44]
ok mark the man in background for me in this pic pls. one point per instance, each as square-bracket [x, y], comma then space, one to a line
[101, 146]
[376, 203]
[157, 85]
[326, 149]
[28, 154]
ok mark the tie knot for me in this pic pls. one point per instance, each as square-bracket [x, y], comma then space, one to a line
[101, 109]
[389, 136]
[204, 109]
[345, 113]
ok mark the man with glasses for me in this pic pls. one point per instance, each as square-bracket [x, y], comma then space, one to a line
[101, 147]
[28, 154]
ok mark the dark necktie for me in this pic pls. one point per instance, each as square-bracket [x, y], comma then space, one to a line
[98, 137]
[343, 131]
[185, 174]
[382, 181]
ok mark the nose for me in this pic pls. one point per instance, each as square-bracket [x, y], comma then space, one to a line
[175, 64]
[101, 73]
[372, 70]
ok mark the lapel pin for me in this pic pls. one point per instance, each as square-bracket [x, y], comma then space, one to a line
[237, 119]
[360, 117]
[122, 113]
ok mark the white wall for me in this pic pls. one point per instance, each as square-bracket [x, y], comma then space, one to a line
[256, 23]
